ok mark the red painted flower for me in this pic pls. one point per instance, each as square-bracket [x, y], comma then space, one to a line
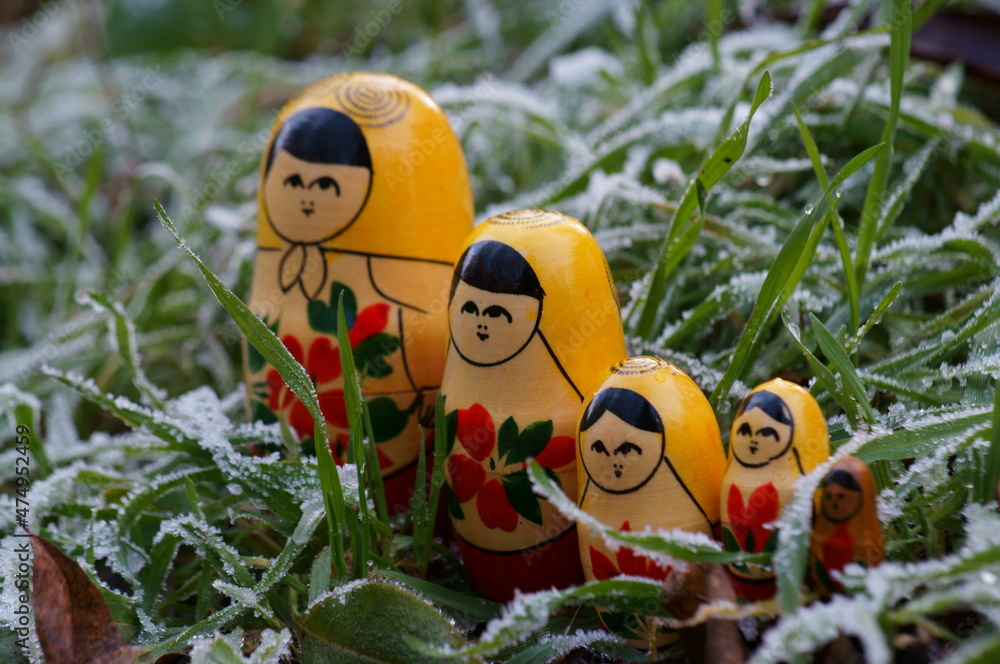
[322, 363]
[494, 508]
[559, 451]
[476, 431]
[629, 563]
[761, 508]
[467, 474]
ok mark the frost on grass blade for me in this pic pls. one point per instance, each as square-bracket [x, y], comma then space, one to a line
[220, 648]
[528, 613]
[668, 548]
[810, 627]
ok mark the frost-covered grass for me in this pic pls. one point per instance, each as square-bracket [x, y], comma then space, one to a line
[880, 287]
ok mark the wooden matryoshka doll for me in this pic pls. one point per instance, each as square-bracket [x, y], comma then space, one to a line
[650, 456]
[363, 193]
[534, 324]
[846, 528]
[779, 434]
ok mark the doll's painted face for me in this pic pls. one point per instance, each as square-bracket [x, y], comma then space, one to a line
[841, 498]
[496, 303]
[318, 176]
[490, 328]
[763, 430]
[311, 202]
[621, 440]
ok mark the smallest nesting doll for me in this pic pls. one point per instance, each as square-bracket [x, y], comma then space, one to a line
[778, 435]
[651, 457]
[846, 527]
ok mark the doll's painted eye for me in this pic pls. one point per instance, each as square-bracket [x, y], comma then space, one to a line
[470, 308]
[324, 183]
[744, 430]
[598, 446]
[496, 311]
[627, 448]
[294, 180]
[768, 431]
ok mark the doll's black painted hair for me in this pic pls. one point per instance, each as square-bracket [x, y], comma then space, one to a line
[631, 407]
[495, 267]
[323, 136]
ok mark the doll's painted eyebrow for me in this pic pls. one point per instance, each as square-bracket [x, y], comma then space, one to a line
[627, 447]
[495, 311]
[598, 446]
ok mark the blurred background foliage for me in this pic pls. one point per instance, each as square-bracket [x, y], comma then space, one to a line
[603, 109]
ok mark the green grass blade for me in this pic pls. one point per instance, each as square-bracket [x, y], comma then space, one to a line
[991, 470]
[842, 363]
[354, 402]
[124, 336]
[782, 277]
[838, 230]
[717, 165]
[824, 377]
[294, 375]
[899, 52]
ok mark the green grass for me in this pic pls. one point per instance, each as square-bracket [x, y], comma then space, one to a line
[804, 170]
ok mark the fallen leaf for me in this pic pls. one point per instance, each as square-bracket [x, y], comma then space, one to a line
[73, 622]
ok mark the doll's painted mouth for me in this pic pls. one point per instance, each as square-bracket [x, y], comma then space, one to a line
[618, 473]
[753, 448]
[307, 211]
[482, 336]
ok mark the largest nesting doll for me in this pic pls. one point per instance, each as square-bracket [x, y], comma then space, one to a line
[778, 435]
[364, 195]
[534, 325]
[650, 457]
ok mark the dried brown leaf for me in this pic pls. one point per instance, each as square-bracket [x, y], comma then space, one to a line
[72, 619]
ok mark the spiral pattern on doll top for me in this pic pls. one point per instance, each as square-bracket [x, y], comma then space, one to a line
[529, 218]
[636, 366]
[372, 106]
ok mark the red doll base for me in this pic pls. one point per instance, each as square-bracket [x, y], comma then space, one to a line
[554, 564]
[753, 590]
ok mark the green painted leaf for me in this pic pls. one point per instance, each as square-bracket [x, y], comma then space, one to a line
[507, 437]
[517, 487]
[370, 622]
[371, 354]
[772, 542]
[729, 541]
[451, 422]
[323, 315]
[388, 421]
[454, 507]
[518, 448]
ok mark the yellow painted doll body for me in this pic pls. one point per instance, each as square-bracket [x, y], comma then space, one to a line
[364, 195]
[534, 323]
[650, 456]
[779, 434]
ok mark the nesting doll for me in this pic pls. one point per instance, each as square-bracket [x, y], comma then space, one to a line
[363, 195]
[650, 456]
[846, 528]
[778, 435]
[534, 324]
